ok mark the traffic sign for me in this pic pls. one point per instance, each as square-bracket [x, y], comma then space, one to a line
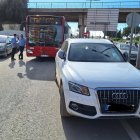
[133, 19]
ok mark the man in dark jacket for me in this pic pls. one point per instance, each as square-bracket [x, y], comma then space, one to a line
[14, 47]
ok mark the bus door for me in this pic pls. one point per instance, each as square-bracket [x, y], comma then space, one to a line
[49, 45]
[43, 48]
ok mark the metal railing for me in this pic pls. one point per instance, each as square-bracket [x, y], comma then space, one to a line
[125, 4]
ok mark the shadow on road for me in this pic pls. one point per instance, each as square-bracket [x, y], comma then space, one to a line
[20, 75]
[21, 63]
[100, 129]
[41, 69]
[4, 58]
[12, 64]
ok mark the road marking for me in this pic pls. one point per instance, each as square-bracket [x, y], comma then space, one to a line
[129, 130]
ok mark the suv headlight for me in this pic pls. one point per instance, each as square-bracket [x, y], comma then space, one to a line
[79, 89]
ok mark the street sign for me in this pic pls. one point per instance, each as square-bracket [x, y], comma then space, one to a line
[133, 19]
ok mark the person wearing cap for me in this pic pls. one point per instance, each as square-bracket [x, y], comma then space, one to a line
[22, 43]
[14, 47]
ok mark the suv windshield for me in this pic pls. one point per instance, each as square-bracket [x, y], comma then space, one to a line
[94, 52]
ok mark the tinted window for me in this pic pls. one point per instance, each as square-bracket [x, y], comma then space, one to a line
[88, 52]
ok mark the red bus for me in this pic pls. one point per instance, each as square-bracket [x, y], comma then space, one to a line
[45, 34]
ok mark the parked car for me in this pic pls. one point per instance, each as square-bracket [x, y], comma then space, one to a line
[124, 48]
[5, 45]
[95, 80]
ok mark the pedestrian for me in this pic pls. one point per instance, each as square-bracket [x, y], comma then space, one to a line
[14, 47]
[22, 43]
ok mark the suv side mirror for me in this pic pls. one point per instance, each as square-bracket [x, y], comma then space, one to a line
[62, 55]
[125, 55]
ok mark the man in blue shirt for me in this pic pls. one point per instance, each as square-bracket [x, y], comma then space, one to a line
[14, 47]
[22, 43]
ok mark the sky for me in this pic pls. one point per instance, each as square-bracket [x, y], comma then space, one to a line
[78, 0]
[127, 2]
[86, 3]
[124, 3]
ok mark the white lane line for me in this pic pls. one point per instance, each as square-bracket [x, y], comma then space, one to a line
[129, 130]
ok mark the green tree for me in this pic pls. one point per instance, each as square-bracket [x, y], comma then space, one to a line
[111, 33]
[127, 31]
[119, 34]
[13, 11]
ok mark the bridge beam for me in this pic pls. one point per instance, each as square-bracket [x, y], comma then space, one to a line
[72, 14]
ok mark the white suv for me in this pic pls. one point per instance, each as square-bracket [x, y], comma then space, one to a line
[95, 80]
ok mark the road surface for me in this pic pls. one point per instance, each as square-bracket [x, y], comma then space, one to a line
[29, 107]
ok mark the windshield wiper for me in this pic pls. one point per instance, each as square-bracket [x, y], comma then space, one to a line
[100, 52]
[105, 50]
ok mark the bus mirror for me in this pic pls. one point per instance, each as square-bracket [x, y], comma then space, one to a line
[66, 30]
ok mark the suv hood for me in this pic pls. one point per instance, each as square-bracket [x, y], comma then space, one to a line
[98, 74]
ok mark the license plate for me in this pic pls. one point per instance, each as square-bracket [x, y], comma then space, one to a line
[106, 107]
[44, 56]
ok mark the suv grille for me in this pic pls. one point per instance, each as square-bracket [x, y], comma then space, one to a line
[118, 100]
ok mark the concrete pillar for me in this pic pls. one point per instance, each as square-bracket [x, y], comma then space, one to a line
[81, 25]
[81, 31]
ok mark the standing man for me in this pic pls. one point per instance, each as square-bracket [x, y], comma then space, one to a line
[14, 47]
[22, 43]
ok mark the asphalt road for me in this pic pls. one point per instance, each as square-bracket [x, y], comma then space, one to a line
[29, 108]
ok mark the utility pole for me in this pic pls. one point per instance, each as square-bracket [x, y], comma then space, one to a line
[131, 36]
[138, 56]
[133, 20]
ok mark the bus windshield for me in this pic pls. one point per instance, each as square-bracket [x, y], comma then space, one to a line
[45, 31]
[45, 35]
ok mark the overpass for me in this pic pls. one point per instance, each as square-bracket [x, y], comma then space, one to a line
[73, 14]
[77, 11]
